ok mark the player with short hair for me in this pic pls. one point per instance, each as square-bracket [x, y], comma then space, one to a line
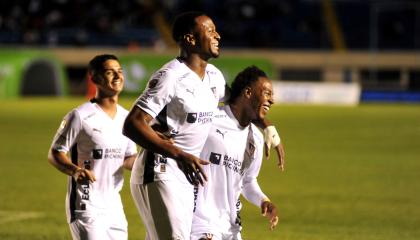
[99, 152]
[234, 149]
[181, 98]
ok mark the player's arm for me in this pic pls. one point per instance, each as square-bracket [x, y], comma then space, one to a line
[128, 162]
[61, 161]
[271, 139]
[269, 210]
[137, 128]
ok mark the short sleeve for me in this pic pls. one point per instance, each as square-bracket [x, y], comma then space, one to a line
[158, 93]
[67, 132]
[131, 149]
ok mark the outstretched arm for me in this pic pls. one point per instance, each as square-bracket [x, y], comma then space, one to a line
[137, 128]
[272, 139]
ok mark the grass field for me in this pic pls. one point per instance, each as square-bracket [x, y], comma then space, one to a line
[351, 173]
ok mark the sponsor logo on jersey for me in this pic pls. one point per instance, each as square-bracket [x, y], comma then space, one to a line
[85, 184]
[191, 117]
[233, 164]
[97, 153]
[200, 117]
[221, 133]
[195, 197]
[215, 158]
[114, 153]
[190, 91]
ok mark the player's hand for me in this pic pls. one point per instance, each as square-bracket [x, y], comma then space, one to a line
[272, 139]
[269, 210]
[82, 175]
[192, 168]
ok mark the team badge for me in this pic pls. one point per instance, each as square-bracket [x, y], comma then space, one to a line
[251, 148]
[163, 168]
[191, 117]
[215, 158]
[213, 89]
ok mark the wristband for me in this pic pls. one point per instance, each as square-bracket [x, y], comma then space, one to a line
[271, 137]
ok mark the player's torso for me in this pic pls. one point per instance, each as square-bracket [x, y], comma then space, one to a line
[101, 148]
[187, 117]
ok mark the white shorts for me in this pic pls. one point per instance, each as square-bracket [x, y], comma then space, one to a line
[166, 208]
[101, 225]
[216, 236]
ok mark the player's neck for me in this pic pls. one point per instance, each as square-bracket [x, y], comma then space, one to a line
[195, 63]
[240, 114]
[108, 104]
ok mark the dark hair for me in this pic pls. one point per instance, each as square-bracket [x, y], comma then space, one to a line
[97, 63]
[245, 79]
[184, 23]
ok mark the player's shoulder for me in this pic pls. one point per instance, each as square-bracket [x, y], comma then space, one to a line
[84, 110]
[170, 71]
[213, 70]
[121, 110]
[220, 112]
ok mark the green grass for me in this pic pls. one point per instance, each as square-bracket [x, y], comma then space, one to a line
[351, 173]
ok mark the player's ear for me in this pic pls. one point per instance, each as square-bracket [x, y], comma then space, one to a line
[189, 38]
[248, 92]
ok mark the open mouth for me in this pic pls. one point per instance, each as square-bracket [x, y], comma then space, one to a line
[266, 107]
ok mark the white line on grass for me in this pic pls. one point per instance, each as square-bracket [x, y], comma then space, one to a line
[15, 216]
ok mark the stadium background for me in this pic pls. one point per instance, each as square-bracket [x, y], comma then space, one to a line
[351, 167]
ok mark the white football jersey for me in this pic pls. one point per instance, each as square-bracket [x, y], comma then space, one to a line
[184, 105]
[235, 156]
[96, 142]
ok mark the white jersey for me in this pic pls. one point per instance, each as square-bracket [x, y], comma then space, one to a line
[184, 105]
[96, 142]
[235, 155]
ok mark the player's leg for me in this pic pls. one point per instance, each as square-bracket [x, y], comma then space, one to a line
[141, 200]
[88, 227]
[171, 205]
[117, 229]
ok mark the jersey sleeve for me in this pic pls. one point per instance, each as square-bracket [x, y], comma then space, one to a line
[221, 87]
[131, 149]
[67, 132]
[159, 92]
[251, 189]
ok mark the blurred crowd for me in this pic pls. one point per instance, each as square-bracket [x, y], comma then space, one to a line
[288, 24]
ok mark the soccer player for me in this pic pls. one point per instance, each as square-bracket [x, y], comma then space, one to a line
[234, 148]
[181, 97]
[99, 152]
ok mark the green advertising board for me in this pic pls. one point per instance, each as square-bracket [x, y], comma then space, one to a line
[139, 68]
[30, 72]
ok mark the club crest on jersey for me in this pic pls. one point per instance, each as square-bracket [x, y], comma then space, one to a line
[213, 89]
[215, 158]
[251, 149]
[191, 117]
